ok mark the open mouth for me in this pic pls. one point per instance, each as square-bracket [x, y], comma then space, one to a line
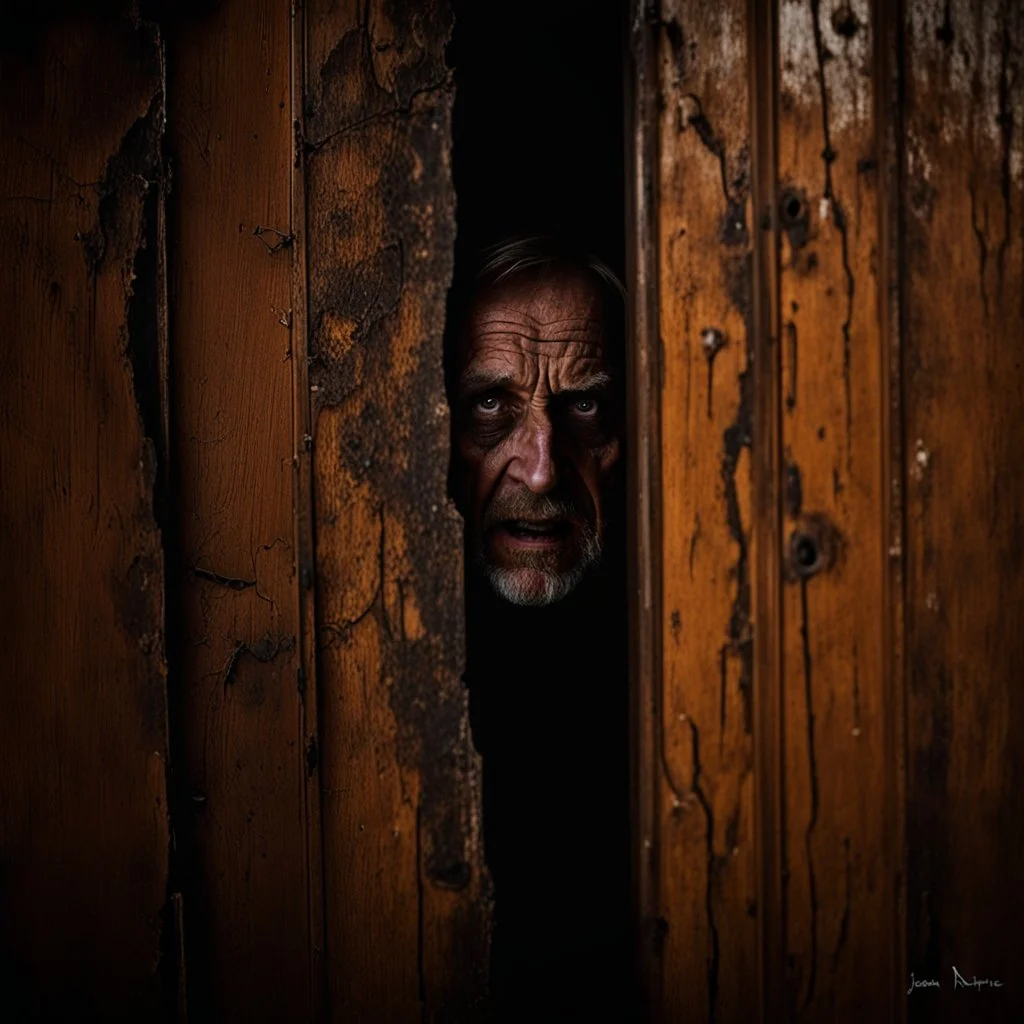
[538, 531]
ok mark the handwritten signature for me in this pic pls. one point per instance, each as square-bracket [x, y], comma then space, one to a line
[959, 981]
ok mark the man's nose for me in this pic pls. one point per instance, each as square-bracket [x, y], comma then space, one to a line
[533, 459]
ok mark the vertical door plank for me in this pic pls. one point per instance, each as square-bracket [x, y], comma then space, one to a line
[964, 319]
[406, 920]
[706, 870]
[246, 916]
[837, 889]
[83, 716]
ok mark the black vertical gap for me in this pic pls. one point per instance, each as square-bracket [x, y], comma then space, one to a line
[763, 48]
[194, 995]
[538, 149]
[643, 489]
[890, 100]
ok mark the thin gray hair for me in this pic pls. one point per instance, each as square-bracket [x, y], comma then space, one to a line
[520, 253]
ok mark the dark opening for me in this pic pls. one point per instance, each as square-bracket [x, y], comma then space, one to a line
[539, 149]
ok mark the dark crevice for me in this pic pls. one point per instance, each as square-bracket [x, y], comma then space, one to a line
[813, 770]
[712, 871]
[944, 33]
[143, 333]
[736, 437]
[734, 220]
[694, 537]
[545, 76]
[406, 110]
[723, 672]
[231, 582]
[844, 924]
[791, 337]
[264, 651]
[840, 221]
[794, 490]
[979, 234]
[1007, 81]
[376, 602]
[133, 185]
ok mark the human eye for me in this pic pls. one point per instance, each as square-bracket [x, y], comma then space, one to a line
[585, 406]
[488, 404]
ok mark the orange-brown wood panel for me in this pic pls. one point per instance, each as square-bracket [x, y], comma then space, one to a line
[963, 267]
[244, 753]
[837, 877]
[705, 874]
[83, 716]
[406, 911]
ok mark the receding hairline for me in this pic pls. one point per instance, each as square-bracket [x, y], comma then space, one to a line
[539, 255]
[536, 256]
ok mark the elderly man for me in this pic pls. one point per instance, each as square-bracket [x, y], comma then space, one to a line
[538, 431]
[535, 371]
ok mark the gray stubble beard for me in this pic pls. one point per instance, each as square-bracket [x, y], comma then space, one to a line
[510, 585]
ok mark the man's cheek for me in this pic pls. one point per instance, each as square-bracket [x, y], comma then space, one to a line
[482, 472]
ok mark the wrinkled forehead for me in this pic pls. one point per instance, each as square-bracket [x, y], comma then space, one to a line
[537, 316]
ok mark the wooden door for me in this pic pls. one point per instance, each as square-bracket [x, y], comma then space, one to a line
[238, 777]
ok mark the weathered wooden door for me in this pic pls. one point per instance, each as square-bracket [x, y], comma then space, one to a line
[829, 340]
[238, 777]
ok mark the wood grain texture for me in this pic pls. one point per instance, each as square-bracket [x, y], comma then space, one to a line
[407, 915]
[837, 880]
[244, 748]
[964, 431]
[706, 877]
[83, 718]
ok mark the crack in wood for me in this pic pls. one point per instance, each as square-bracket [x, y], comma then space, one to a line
[265, 651]
[712, 871]
[791, 338]
[813, 770]
[736, 437]
[401, 112]
[1005, 120]
[979, 234]
[844, 923]
[231, 582]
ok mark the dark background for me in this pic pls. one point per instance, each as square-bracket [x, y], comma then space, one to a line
[538, 123]
[538, 147]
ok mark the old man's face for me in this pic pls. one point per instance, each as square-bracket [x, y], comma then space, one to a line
[534, 433]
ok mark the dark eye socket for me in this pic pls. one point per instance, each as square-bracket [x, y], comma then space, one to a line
[586, 406]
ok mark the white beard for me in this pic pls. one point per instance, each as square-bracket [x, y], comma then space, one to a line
[519, 586]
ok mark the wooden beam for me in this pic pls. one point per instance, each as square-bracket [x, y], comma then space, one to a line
[407, 912]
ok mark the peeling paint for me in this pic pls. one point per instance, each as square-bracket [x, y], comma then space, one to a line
[970, 63]
[848, 70]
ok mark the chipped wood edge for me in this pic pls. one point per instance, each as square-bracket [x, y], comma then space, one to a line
[643, 542]
[304, 589]
[888, 113]
[762, 29]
